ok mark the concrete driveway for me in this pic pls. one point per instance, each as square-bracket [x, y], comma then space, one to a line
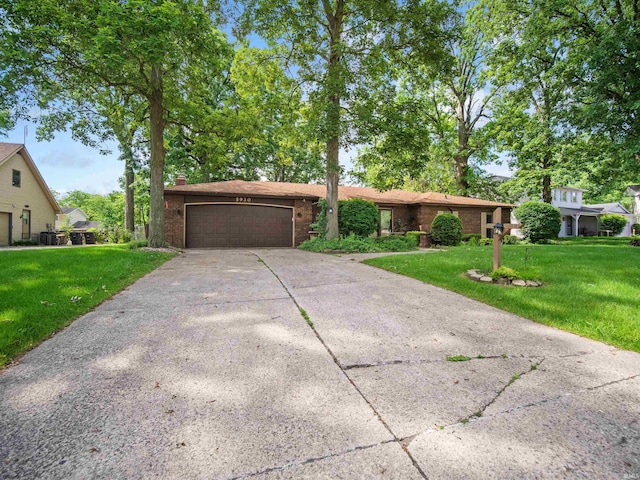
[206, 368]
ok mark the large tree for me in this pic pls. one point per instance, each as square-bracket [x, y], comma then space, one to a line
[427, 133]
[160, 51]
[530, 120]
[338, 48]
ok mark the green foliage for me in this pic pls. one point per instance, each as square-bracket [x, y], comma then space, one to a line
[358, 217]
[485, 241]
[613, 222]
[540, 221]
[458, 358]
[510, 240]
[635, 242]
[24, 243]
[354, 244]
[471, 238]
[106, 209]
[505, 272]
[133, 244]
[636, 228]
[320, 223]
[446, 229]
[415, 235]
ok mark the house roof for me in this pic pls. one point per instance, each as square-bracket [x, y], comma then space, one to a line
[608, 207]
[82, 225]
[8, 150]
[634, 188]
[316, 191]
[582, 211]
[68, 209]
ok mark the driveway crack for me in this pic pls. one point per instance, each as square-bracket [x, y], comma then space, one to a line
[511, 381]
[342, 369]
[307, 461]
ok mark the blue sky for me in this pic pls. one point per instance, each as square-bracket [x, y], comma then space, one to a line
[68, 165]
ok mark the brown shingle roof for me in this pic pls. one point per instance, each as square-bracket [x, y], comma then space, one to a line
[303, 190]
[8, 149]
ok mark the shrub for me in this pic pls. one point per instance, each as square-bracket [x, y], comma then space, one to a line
[446, 229]
[483, 242]
[471, 238]
[24, 243]
[354, 244]
[635, 242]
[540, 221]
[415, 235]
[504, 272]
[137, 244]
[355, 216]
[613, 222]
[358, 217]
[320, 224]
[510, 240]
[636, 228]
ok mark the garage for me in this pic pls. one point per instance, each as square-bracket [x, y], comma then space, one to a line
[5, 228]
[233, 225]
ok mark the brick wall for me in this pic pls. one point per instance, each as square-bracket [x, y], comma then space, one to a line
[174, 220]
[471, 216]
[304, 216]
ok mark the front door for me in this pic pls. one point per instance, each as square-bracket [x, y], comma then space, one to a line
[385, 221]
[26, 225]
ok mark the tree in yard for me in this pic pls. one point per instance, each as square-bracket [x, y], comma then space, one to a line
[157, 51]
[603, 44]
[424, 135]
[530, 121]
[338, 49]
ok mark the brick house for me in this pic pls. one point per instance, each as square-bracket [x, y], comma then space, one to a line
[270, 214]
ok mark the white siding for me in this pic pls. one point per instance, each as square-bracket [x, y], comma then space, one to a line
[13, 199]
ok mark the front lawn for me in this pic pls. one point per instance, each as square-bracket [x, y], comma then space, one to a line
[589, 289]
[42, 291]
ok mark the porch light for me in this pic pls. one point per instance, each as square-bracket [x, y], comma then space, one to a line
[498, 228]
[330, 210]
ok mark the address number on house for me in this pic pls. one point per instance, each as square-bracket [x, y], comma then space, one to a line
[243, 199]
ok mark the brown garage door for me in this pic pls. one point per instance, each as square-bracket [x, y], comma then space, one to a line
[238, 226]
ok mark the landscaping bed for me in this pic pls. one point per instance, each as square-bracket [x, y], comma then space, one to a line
[42, 291]
[590, 288]
[355, 244]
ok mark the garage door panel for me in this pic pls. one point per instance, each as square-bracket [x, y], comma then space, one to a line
[220, 225]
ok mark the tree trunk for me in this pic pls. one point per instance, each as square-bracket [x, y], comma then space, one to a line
[333, 121]
[129, 212]
[156, 191]
[546, 188]
[462, 157]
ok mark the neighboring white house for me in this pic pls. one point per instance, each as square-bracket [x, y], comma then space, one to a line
[27, 206]
[77, 219]
[583, 220]
[72, 214]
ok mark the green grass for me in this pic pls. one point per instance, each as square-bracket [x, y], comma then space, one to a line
[591, 288]
[458, 358]
[42, 291]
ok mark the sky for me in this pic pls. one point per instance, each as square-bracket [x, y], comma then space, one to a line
[66, 164]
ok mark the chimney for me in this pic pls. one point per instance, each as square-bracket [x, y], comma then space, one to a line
[181, 180]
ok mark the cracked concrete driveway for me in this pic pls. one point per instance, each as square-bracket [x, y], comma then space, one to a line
[206, 368]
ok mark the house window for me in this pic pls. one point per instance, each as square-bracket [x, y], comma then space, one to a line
[564, 196]
[574, 197]
[15, 180]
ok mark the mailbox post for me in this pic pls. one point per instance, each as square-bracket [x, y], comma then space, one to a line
[498, 229]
